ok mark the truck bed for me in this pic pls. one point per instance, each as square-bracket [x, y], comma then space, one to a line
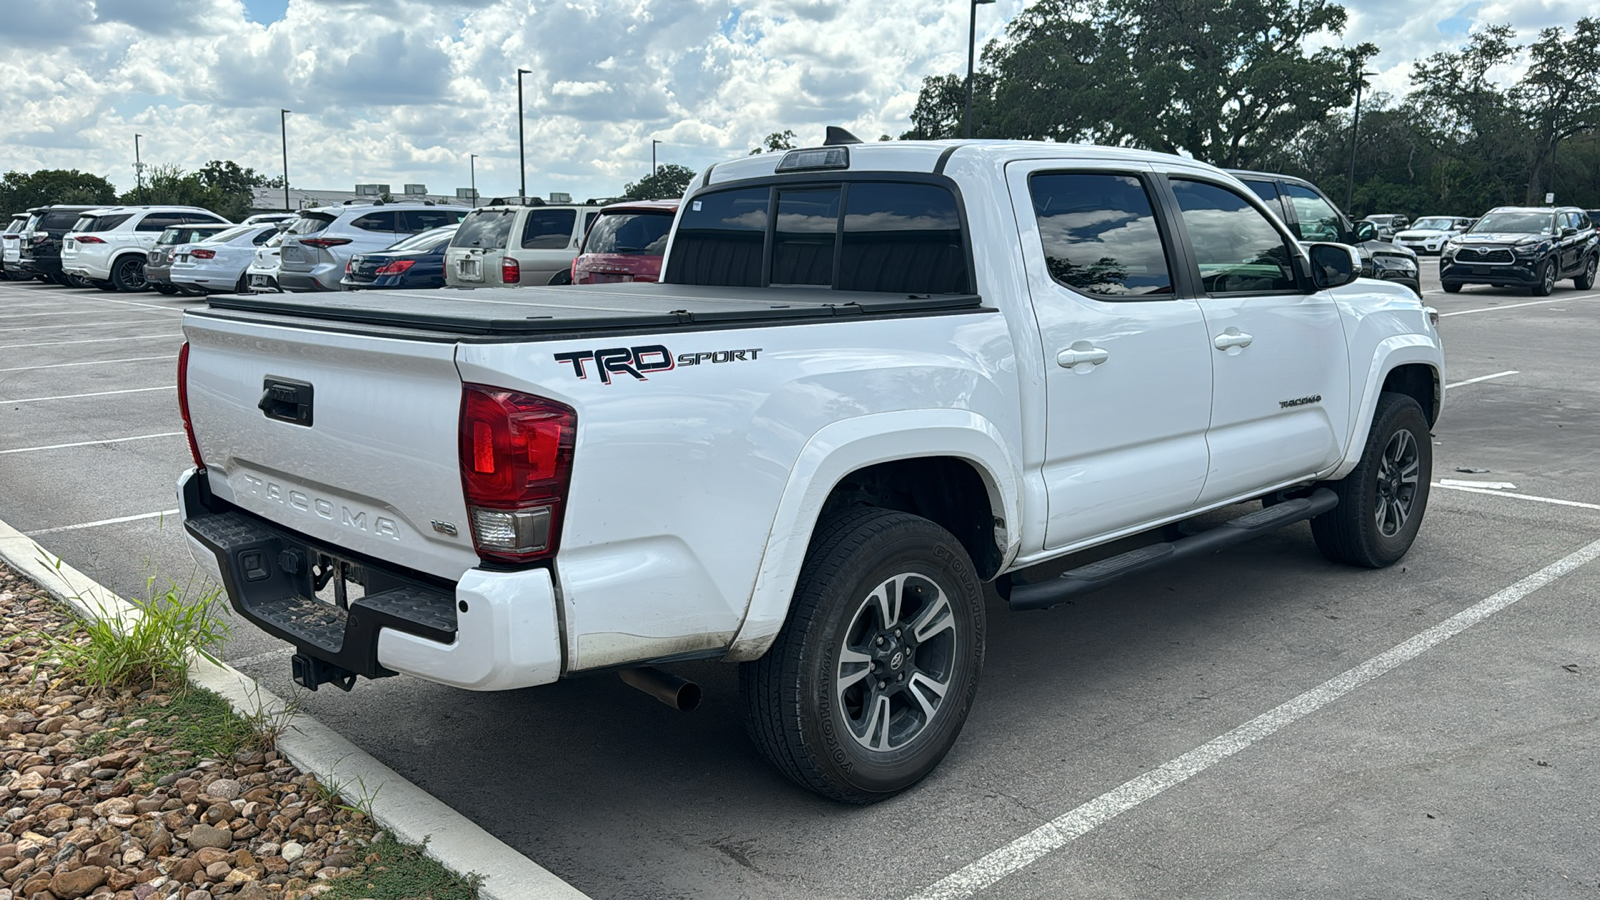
[452, 314]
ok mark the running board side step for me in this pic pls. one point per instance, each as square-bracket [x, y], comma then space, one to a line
[1093, 577]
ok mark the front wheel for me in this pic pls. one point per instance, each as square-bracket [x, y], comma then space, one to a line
[1586, 280]
[128, 275]
[1382, 500]
[1451, 287]
[868, 685]
[1547, 279]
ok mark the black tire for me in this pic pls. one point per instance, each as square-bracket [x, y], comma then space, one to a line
[1586, 280]
[1382, 500]
[243, 285]
[127, 274]
[167, 289]
[820, 724]
[1547, 279]
[61, 279]
[562, 277]
[1451, 287]
[101, 285]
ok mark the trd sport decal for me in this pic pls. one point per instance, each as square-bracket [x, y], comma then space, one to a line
[640, 361]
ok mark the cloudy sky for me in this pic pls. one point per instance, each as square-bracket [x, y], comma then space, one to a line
[399, 91]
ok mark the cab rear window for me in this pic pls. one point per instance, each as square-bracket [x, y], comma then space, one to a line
[858, 235]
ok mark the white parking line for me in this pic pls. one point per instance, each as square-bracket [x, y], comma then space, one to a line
[142, 437]
[1482, 378]
[1064, 829]
[117, 521]
[1499, 493]
[53, 312]
[170, 387]
[137, 303]
[92, 362]
[128, 337]
[103, 323]
[1468, 312]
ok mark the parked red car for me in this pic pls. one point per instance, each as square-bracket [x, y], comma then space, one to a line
[625, 243]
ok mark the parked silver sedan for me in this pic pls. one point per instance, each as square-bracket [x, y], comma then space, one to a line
[218, 264]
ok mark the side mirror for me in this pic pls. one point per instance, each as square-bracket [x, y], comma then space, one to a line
[1333, 265]
[1568, 231]
[1366, 231]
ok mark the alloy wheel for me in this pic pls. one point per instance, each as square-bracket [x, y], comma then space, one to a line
[897, 661]
[1397, 483]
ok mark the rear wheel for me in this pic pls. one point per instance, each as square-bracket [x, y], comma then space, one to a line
[1382, 500]
[1586, 280]
[1451, 287]
[127, 274]
[1547, 279]
[562, 277]
[868, 685]
[165, 289]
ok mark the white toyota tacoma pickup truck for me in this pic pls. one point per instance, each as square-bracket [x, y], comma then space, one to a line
[874, 378]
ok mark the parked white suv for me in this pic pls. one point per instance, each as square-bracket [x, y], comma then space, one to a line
[511, 246]
[317, 244]
[109, 247]
[1429, 234]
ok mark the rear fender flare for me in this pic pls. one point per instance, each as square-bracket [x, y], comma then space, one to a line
[843, 447]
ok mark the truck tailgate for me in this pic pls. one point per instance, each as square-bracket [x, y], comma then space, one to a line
[345, 437]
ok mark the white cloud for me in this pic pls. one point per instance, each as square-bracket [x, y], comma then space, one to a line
[403, 90]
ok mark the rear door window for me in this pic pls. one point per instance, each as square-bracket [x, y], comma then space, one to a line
[1236, 247]
[420, 220]
[1318, 220]
[308, 224]
[159, 221]
[381, 222]
[721, 238]
[1100, 235]
[548, 229]
[57, 221]
[486, 228]
[904, 238]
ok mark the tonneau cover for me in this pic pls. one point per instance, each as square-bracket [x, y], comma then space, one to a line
[575, 308]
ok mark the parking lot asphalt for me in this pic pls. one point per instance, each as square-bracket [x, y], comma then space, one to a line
[1469, 768]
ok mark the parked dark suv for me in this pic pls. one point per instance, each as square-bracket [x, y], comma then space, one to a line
[41, 243]
[1526, 247]
[1312, 216]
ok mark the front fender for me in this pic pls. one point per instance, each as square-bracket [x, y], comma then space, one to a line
[1390, 353]
[843, 447]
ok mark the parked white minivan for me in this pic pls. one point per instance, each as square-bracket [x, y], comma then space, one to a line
[511, 246]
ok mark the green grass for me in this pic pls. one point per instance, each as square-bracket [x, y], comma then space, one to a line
[400, 873]
[139, 652]
[196, 724]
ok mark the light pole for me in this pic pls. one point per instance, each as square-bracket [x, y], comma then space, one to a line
[1355, 129]
[972, 52]
[653, 169]
[522, 153]
[138, 167]
[283, 124]
[472, 173]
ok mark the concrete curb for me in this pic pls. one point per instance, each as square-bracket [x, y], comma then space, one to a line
[403, 809]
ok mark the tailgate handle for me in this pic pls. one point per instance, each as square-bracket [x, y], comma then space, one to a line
[286, 400]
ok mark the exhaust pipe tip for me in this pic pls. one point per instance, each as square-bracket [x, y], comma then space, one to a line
[679, 693]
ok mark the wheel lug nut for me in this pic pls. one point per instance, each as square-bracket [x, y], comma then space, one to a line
[879, 641]
[897, 632]
[900, 677]
[882, 685]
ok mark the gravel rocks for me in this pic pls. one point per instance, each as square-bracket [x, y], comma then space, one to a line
[82, 814]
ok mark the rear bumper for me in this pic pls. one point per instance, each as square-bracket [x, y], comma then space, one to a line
[303, 281]
[490, 631]
[158, 274]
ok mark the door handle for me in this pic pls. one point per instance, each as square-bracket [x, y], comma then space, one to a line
[1232, 338]
[1082, 352]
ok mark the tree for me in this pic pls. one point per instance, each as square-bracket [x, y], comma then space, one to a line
[21, 190]
[1559, 95]
[1223, 82]
[668, 183]
[1468, 116]
[778, 140]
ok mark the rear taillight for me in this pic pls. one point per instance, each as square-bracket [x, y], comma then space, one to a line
[202, 254]
[516, 463]
[397, 267]
[510, 271]
[324, 242]
[88, 239]
[183, 403]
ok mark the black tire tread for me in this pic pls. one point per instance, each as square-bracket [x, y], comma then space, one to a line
[1341, 533]
[837, 538]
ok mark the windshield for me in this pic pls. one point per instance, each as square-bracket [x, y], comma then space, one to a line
[15, 226]
[1441, 224]
[484, 228]
[222, 237]
[1514, 222]
[309, 223]
[426, 242]
[629, 232]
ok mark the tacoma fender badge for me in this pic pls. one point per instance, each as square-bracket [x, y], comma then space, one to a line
[1300, 401]
[443, 527]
